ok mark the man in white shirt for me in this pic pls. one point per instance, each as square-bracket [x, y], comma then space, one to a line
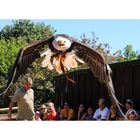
[102, 112]
[24, 97]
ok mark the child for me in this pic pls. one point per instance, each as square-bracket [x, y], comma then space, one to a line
[37, 116]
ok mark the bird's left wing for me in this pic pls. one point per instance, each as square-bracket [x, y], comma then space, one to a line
[24, 59]
[94, 59]
[99, 68]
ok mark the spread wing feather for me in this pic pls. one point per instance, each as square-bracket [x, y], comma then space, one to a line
[94, 59]
[24, 59]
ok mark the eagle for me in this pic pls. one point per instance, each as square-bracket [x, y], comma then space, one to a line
[62, 54]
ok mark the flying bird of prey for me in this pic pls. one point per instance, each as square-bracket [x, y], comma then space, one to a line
[63, 54]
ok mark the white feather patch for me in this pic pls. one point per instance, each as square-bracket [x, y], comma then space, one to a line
[78, 59]
[46, 53]
[56, 64]
[46, 62]
[69, 61]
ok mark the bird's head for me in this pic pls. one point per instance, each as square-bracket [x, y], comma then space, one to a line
[61, 43]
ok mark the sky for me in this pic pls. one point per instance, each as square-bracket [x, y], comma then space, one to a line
[118, 33]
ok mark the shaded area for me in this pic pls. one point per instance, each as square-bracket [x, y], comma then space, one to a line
[87, 90]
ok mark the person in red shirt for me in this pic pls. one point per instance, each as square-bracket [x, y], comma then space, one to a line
[51, 113]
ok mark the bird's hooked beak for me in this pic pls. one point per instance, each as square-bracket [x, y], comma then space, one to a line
[61, 43]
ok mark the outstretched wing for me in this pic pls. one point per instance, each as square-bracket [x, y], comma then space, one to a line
[94, 59]
[24, 59]
[99, 68]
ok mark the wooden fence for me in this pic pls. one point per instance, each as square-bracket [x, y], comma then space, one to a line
[4, 116]
[87, 90]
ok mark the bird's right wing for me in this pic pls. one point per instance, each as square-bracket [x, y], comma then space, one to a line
[24, 59]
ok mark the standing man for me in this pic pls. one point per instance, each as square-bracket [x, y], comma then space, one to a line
[24, 97]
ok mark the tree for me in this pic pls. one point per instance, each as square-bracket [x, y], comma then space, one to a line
[126, 54]
[26, 29]
[16, 36]
[129, 54]
[9, 50]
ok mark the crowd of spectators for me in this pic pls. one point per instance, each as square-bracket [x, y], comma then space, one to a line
[48, 112]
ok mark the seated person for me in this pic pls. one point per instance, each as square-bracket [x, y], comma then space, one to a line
[102, 112]
[37, 116]
[43, 110]
[114, 115]
[81, 112]
[89, 115]
[67, 113]
[132, 116]
[130, 108]
[51, 113]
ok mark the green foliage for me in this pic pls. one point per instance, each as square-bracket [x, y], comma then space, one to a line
[16, 36]
[129, 54]
[27, 30]
[126, 54]
[9, 50]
